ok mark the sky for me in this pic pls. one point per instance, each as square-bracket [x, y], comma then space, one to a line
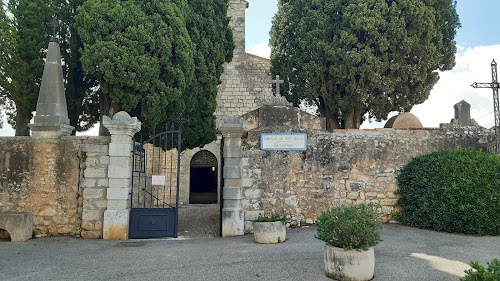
[478, 44]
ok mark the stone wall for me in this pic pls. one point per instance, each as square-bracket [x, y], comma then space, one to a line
[94, 183]
[349, 166]
[42, 176]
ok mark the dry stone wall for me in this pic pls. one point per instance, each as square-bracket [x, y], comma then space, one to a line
[42, 176]
[349, 166]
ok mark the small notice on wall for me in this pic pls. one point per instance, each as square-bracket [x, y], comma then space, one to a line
[283, 141]
[157, 180]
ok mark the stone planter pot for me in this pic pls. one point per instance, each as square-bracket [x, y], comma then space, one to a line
[269, 232]
[349, 265]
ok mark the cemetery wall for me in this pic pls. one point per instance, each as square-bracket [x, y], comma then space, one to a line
[348, 166]
[43, 176]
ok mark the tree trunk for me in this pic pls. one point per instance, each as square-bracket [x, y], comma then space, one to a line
[332, 120]
[107, 108]
[22, 122]
[353, 119]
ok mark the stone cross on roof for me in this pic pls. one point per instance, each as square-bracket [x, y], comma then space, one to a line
[277, 81]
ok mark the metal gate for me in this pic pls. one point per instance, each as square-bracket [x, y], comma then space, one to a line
[154, 198]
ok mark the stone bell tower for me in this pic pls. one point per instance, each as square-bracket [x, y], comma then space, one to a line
[236, 11]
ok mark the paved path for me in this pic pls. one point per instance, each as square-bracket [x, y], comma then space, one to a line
[405, 254]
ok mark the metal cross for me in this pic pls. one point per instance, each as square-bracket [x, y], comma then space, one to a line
[54, 24]
[277, 82]
[493, 85]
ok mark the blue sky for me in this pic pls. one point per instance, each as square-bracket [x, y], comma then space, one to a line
[478, 43]
[479, 18]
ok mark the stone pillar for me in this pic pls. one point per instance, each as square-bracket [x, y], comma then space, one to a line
[233, 218]
[116, 217]
[236, 13]
[462, 114]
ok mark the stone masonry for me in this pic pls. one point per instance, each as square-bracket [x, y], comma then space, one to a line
[246, 80]
[94, 184]
[350, 166]
[45, 177]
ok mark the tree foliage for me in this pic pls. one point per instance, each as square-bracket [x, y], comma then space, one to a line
[158, 60]
[208, 28]
[23, 49]
[82, 102]
[25, 38]
[141, 55]
[352, 57]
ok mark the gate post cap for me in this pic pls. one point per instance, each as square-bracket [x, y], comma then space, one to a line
[122, 124]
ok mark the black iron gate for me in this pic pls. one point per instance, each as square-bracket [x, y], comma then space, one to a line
[154, 197]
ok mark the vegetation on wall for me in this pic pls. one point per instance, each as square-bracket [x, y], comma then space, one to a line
[457, 191]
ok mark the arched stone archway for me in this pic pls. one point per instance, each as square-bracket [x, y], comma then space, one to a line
[203, 178]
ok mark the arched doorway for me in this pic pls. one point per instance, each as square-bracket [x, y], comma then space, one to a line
[203, 178]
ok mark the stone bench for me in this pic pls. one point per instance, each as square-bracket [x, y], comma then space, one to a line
[18, 224]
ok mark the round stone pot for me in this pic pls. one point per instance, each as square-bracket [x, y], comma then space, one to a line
[349, 265]
[269, 232]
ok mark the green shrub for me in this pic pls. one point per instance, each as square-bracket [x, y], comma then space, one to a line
[455, 191]
[272, 218]
[350, 227]
[479, 273]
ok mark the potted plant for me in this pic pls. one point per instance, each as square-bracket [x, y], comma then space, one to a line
[270, 229]
[350, 233]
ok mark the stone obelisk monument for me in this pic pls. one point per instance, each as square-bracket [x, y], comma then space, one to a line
[51, 119]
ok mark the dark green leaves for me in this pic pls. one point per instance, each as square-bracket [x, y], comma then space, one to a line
[452, 191]
[363, 56]
[350, 227]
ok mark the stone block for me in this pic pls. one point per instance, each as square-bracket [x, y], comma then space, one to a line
[116, 224]
[120, 149]
[247, 182]
[91, 215]
[292, 201]
[253, 193]
[233, 223]
[124, 139]
[95, 148]
[118, 193]
[388, 202]
[119, 183]
[356, 186]
[18, 224]
[253, 215]
[119, 172]
[353, 195]
[93, 193]
[118, 204]
[233, 193]
[232, 172]
[122, 162]
[233, 151]
[94, 173]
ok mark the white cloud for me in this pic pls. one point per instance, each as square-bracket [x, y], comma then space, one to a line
[472, 65]
[262, 49]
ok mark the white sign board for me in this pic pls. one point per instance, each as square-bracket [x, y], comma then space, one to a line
[157, 180]
[283, 141]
